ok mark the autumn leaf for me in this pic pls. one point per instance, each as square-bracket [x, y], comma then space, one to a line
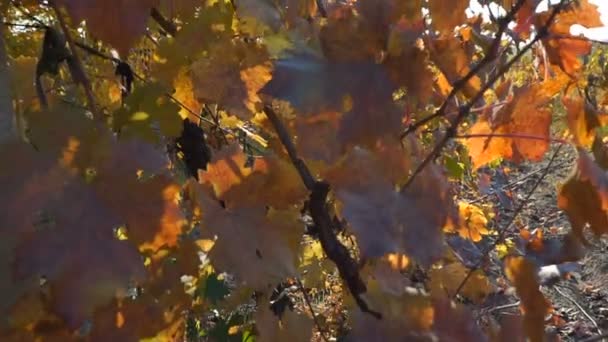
[453, 322]
[522, 273]
[107, 20]
[291, 326]
[146, 112]
[407, 62]
[385, 220]
[473, 222]
[521, 126]
[584, 197]
[447, 14]
[270, 180]
[452, 59]
[562, 51]
[264, 239]
[582, 120]
[406, 317]
[447, 278]
[231, 76]
[362, 91]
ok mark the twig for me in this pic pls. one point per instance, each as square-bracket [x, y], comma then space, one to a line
[312, 311]
[465, 110]
[163, 22]
[505, 306]
[334, 249]
[86, 84]
[502, 234]
[581, 309]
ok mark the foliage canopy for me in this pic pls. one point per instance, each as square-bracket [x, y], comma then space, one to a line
[166, 158]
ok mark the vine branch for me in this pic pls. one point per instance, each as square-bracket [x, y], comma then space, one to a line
[319, 190]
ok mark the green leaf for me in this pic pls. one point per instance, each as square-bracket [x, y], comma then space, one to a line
[454, 167]
[148, 112]
[213, 289]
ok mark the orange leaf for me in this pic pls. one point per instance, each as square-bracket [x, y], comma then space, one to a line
[447, 14]
[449, 55]
[270, 181]
[522, 273]
[584, 197]
[526, 115]
[565, 52]
[582, 120]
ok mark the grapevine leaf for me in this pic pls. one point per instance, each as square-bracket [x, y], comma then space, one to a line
[447, 278]
[522, 273]
[290, 327]
[584, 197]
[389, 221]
[526, 115]
[450, 56]
[454, 322]
[119, 23]
[447, 14]
[562, 51]
[406, 317]
[582, 120]
[146, 111]
[231, 75]
[270, 181]
[473, 222]
[258, 247]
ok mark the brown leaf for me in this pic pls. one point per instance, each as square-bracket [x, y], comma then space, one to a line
[447, 278]
[118, 22]
[408, 63]
[317, 136]
[258, 247]
[522, 273]
[452, 59]
[66, 203]
[290, 327]
[582, 120]
[231, 75]
[388, 221]
[406, 317]
[447, 14]
[584, 197]
[362, 91]
[453, 322]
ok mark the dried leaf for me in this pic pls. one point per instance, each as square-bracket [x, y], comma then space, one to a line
[584, 197]
[522, 273]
